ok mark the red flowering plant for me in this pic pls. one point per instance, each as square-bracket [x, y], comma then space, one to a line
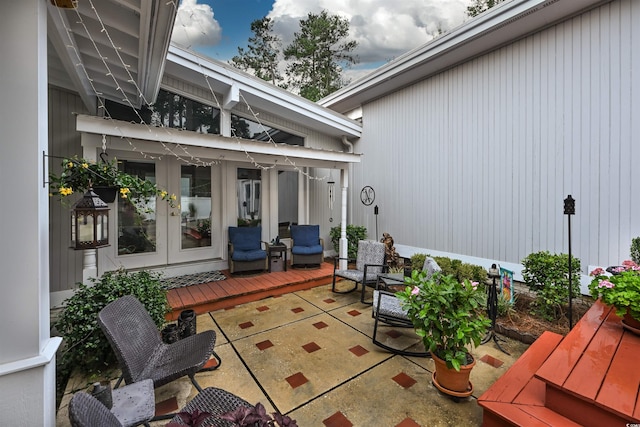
[620, 289]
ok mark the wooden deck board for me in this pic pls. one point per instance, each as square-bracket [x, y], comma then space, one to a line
[559, 365]
[239, 289]
[587, 376]
[619, 390]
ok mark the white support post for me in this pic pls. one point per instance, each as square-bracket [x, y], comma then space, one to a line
[344, 244]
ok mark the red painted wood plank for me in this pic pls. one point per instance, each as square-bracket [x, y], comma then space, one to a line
[512, 382]
[523, 415]
[590, 370]
[533, 393]
[620, 388]
[559, 365]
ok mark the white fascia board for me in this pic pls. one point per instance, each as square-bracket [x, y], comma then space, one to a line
[156, 135]
[501, 24]
[263, 94]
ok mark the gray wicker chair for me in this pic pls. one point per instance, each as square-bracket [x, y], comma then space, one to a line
[387, 308]
[369, 263]
[216, 402]
[141, 353]
[86, 411]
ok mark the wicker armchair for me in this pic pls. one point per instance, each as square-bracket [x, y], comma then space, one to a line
[387, 308]
[369, 263]
[141, 353]
[307, 248]
[246, 251]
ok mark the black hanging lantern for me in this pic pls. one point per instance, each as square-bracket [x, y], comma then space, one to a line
[90, 222]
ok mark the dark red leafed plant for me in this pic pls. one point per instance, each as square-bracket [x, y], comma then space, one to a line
[194, 419]
[257, 417]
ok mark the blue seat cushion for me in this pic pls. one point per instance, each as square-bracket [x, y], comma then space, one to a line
[245, 238]
[306, 235]
[306, 250]
[252, 255]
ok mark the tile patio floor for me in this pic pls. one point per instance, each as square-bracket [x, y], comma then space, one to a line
[309, 355]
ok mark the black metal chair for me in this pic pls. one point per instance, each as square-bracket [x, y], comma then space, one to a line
[387, 308]
[369, 264]
[141, 353]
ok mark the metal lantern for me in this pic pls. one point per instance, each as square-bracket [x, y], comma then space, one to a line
[90, 222]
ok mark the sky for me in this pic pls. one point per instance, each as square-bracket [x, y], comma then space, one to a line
[383, 29]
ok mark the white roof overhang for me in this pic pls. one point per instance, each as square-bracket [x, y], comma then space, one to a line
[238, 87]
[501, 25]
[162, 141]
[116, 48]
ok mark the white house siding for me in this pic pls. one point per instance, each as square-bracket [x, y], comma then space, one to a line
[477, 160]
[65, 264]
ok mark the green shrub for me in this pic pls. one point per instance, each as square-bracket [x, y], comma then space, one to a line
[635, 250]
[547, 276]
[86, 347]
[454, 267]
[355, 233]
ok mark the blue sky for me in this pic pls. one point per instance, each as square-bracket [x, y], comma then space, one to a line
[382, 29]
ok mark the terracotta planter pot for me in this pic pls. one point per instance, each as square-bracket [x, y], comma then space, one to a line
[631, 324]
[450, 381]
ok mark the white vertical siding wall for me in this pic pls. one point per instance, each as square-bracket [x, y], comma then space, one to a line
[65, 264]
[477, 160]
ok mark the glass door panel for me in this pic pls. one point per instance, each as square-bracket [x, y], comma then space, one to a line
[249, 190]
[195, 203]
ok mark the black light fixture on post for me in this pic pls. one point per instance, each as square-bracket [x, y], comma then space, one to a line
[90, 222]
[570, 209]
[492, 307]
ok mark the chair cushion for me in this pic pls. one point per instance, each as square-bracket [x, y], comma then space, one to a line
[306, 250]
[390, 306]
[354, 275]
[245, 238]
[306, 235]
[250, 255]
[370, 252]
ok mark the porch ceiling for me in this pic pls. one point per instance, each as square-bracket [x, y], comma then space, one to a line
[159, 141]
[116, 48]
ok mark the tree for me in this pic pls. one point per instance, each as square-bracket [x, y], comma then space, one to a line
[319, 54]
[261, 56]
[479, 6]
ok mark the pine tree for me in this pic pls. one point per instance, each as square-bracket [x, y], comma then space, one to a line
[479, 6]
[318, 55]
[261, 55]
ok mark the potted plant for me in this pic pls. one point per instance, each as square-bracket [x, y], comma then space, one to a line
[255, 416]
[78, 175]
[449, 316]
[621, 290]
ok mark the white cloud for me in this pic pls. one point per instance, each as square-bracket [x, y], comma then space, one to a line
[383, 29]
[195, 25]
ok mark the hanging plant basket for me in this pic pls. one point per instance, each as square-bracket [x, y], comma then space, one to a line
[106, 194]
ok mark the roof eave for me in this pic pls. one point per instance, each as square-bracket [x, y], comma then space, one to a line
[503, 24]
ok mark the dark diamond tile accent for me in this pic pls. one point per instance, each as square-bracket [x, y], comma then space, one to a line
[404, 380]
[296, 380]
[393, 333]
[311, 347]
[297, 310]
[262, 308]
[320, 325]
[167, 406]
[337, 420]
[329, 300]
[245, 325]
[354, 313]
[263, 345]
[359, 350]
[490, 360]
[408, 422]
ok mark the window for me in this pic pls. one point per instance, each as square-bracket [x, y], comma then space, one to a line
[195, 205]
[137, 223]
[177, 111]
[249, 129]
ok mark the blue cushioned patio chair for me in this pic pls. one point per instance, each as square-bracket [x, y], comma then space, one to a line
[387, 308]
[307, 248]
[246, 251]
[370, 262]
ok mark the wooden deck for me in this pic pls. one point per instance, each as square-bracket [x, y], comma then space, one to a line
[587, 378]
[240, 289]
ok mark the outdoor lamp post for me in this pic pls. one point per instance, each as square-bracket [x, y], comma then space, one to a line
[570, 209]
[90, 222]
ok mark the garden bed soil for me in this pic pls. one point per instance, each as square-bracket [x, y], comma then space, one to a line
[524, 326]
